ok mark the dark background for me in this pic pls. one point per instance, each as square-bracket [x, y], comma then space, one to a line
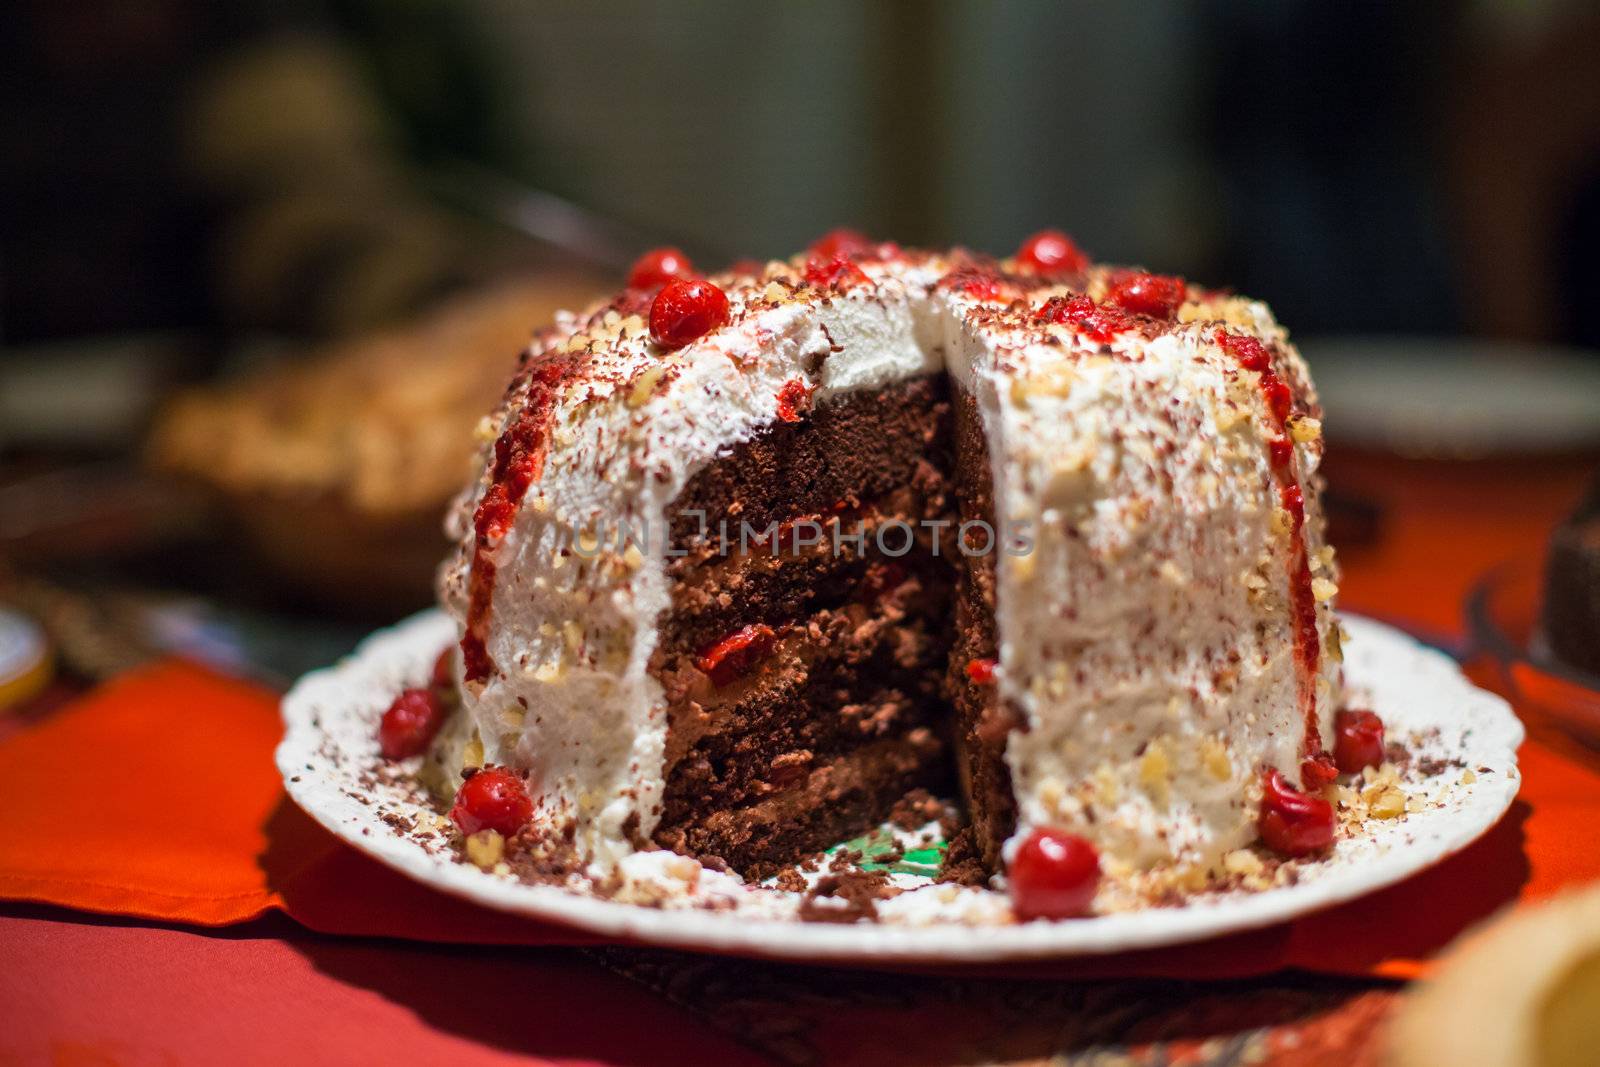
[241, 243]
[309, 167]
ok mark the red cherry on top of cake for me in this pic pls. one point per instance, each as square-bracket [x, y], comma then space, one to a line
[840, 242]
[1098, 322]
[837, 272]
[1293, 823]
[493, 798]
[1156, 295]
[1053, 875]
[659, 266]
[1357, 740]
[974, 282]
[411, 723]
[686, 310]
[1051, 252]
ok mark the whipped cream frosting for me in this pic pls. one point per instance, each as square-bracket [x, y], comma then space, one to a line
[1146, 638]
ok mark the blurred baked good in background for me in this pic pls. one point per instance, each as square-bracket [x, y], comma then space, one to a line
[336, 469]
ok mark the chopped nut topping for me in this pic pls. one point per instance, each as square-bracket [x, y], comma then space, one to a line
[1242, 861]
[1155, 772]
[644, 386]
[1105, 781]
[1305, 429]
[1214, 755]
[684, 869]
[1386, 802]
[485, 848]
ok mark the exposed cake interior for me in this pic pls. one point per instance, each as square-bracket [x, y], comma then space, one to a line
[801, 661]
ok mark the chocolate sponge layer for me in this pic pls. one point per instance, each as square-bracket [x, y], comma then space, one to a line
[842, 711]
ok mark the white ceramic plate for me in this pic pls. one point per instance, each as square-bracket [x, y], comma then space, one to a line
[329, 752]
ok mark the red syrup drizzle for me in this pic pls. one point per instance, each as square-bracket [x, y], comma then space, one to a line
[518, 461]
[794, 400]
[1316, 766]
[976, 282]
[731, 658]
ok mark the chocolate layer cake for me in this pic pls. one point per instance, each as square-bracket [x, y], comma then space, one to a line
[734, 579]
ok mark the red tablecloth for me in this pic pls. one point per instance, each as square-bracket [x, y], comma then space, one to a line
[81, 993]
[111, 810]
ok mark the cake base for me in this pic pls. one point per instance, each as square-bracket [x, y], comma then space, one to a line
[331, 768]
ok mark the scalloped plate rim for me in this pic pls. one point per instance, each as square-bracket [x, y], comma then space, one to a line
[418, 638]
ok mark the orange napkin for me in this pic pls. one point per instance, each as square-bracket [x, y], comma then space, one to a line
[156, 797]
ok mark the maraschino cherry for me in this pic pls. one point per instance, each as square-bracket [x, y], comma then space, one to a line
[410, 724]
[659, 266]
[1293, 823]
[685, 311]
[1357, 740]
[1053, 875]
[493, 798]
[1156, 295]
[1098, 322]
[1051, 252]
[839, 272]
[840, 242]
[976, 283]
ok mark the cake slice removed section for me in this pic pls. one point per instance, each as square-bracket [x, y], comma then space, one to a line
[800, 662]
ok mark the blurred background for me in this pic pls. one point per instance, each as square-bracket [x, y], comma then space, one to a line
[264, 265]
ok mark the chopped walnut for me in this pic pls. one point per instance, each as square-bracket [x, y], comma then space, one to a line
[485, 848]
